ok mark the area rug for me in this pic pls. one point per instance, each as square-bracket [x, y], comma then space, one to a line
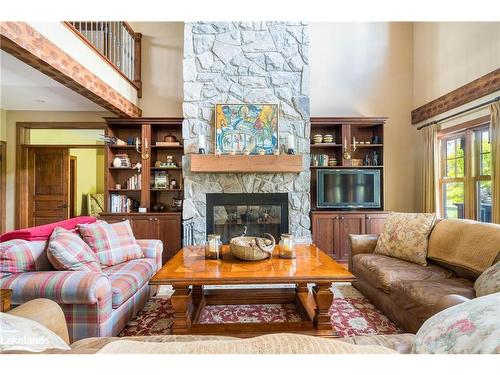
[351, 315]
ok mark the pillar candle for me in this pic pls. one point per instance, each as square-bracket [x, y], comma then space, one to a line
[291, 142]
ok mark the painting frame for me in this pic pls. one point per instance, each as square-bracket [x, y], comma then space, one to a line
[249, 130]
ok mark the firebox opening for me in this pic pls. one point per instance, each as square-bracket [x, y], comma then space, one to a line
[228, 214]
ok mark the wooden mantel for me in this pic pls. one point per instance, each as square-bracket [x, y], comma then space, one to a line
[246, 163]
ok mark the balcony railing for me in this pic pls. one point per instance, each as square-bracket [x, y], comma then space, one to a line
[117, 43]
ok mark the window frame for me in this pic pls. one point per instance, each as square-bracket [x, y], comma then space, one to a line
[472, 165]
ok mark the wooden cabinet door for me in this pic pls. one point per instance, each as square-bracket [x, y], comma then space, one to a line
[144, 228]
[170, 233]
[347, 224]
[323, 232]
[375, 223]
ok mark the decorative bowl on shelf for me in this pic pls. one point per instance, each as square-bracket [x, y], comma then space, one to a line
[328, 138]
[317, 138]
[252, 248]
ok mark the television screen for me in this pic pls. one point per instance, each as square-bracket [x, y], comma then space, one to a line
[348, 188]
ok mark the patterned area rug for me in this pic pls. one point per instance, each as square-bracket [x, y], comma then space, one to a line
[351, 315]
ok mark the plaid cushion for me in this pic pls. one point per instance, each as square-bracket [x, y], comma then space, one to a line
[152, 249]
[23, 256]
[113, 243]
[67, 251]
[127, 278]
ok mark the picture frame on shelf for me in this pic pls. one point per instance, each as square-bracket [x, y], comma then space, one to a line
[249, 128]
[161, 180]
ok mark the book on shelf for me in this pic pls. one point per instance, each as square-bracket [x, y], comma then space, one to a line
[120, 203]
[168, 144]
[124, 159]
[134, 182]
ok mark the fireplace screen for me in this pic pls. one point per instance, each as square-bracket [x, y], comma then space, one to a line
[229, 214]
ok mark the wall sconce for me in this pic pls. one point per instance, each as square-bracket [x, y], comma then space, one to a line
[144, 152]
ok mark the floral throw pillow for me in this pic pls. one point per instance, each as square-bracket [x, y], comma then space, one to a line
[472, 327]
[67, 251]
[489, 281]
[406, 236]
[112, 243]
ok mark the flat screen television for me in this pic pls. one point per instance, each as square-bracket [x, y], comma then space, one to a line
[348, 188]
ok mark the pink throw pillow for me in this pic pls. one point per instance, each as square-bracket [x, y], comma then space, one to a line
[67, 251]
[112, 243]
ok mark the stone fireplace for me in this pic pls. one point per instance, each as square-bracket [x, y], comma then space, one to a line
[246, 62]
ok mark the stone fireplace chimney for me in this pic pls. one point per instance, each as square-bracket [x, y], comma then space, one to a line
[246, 62]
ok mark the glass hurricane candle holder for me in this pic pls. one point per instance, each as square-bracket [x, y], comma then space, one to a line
[213, 247]
[287, 246]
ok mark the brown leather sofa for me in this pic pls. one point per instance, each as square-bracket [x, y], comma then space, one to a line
[409, 293]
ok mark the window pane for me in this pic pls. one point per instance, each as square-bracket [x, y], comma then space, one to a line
[453, 196]
[460, 148]
[485, 153]
[451, 167]
[485, 141]
[450, 149]
[460, 167]
[486, 164]
[483, 194]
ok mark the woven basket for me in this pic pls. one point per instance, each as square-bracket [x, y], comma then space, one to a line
[245, 248]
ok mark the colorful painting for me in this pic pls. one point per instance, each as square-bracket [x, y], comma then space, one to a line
[252, 127]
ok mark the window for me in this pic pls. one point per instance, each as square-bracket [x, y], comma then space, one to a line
[482, 180]
[465, 174]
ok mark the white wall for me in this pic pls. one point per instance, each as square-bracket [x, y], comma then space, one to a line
[365, 69]
[162, 53]
[448, 55]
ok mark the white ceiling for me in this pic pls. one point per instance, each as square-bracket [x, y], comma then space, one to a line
[24, 88]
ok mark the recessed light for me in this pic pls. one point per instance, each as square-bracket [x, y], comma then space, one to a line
[40, 101]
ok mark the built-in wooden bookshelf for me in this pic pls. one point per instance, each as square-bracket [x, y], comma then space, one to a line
[368, 132]
[148, 131]
[330, 228]
[153, 224]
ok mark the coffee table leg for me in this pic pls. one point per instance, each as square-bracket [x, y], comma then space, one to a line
[324, 298]
[182, 305]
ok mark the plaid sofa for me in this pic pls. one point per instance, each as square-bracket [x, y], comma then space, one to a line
[95, 304]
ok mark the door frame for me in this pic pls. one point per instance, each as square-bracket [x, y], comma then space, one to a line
[21, 162]
[73, 184]
[3, 185]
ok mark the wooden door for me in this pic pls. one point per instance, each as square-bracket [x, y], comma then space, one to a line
[170, 233]
[323, 232]
[48, 174]
[347, 224]
[375, 223]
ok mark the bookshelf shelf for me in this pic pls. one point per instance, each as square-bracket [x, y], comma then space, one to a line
[123, 190]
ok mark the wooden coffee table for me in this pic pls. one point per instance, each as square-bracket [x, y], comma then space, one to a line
[188, 272]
